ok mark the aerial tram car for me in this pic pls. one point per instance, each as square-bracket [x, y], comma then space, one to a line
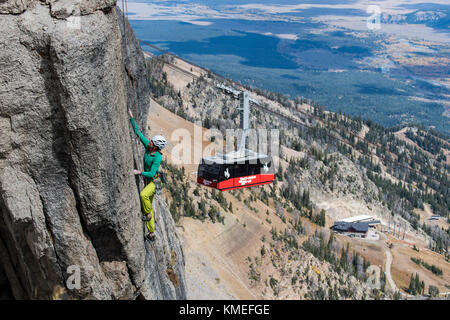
[242, 168]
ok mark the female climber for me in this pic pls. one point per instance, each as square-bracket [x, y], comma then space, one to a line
[152, 161]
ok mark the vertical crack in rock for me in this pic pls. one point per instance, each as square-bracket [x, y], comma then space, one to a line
[14, 283]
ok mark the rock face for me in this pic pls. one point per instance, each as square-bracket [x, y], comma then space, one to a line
[69, 204]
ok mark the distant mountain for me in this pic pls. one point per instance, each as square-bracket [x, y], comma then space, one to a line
[439, 18]
[268, 2]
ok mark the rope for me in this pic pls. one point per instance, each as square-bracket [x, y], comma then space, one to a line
[131, 86]
[133, 81]
[396, 164]
[134, 101]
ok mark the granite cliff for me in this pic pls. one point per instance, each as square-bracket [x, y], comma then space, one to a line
[68, 198]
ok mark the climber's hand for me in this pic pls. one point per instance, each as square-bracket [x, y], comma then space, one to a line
[137, 172]
[130, 113]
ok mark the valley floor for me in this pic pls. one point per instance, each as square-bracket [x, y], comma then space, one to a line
[218, 255]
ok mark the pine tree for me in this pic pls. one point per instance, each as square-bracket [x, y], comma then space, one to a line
[411, 288]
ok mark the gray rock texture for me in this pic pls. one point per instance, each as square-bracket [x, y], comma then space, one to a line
[68, 198]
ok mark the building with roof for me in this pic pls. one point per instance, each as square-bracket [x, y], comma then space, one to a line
[351, 229]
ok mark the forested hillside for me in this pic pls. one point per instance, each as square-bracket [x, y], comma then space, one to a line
[322, 154]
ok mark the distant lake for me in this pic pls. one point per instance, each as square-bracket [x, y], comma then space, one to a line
[256, 48]
[319, 11]
[322, 66]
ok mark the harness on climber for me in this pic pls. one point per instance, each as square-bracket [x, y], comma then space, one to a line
[158, 180]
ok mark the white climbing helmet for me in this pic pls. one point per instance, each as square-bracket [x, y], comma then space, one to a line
[159, 141]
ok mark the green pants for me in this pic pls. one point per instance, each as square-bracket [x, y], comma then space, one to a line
[147, 200]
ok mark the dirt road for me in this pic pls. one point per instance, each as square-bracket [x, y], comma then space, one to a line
[388, 271]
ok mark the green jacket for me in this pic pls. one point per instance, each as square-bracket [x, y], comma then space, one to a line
[151, 161]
